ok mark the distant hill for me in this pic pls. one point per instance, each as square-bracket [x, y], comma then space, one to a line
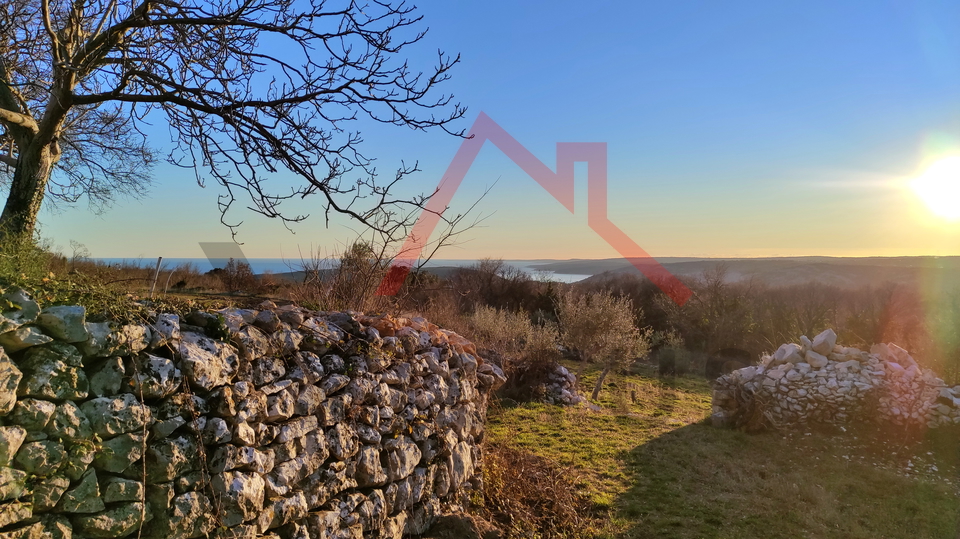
[844, 272]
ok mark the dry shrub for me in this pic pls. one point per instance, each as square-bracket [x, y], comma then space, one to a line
[529, 496]
[527, 376]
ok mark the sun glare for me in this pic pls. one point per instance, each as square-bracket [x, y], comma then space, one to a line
[939, 187]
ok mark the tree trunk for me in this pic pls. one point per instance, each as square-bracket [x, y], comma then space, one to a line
[596, 388]
[34, 166]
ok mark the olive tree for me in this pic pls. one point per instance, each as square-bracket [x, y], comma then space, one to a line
[601, 327]
[249, 90]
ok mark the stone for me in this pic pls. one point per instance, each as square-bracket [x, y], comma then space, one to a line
[47, 374]
[824, 342]
[207, 363]
[47, 493]
[342, 441]
[116, 489]
[10, 377]
[14, 512]
[165, 331]
[23, 337]
[253, 345]
[333, 383]
[241, 496]
[100, 342]
[106, 377]
[156, 377]
[369, 469]
[13, 483]
[112, 416]
[268, 321]
[216, 431]
[309, 400]
[64, 322]
[461, 465]
[41, 458]
[11, 438]
[119, 452]
[402, 459]
[267, 370]
[132, 339]
[83, 498]
[280, 406]
[191, 515]
[20, 308]
[816, 360]
[167, 459]
[79, 457]
[69, 423]
[55, 527]
[118, 521]
[297, 428]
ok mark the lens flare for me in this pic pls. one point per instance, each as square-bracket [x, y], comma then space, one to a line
[939, 188]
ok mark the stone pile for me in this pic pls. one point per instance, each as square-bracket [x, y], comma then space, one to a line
[821, 381]
[561, 388]
[301, 425]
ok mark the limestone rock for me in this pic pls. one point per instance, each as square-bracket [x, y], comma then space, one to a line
[10, 377]
[824, 342]
[55, 527]
[41, 458]
[119, 452]
[191, 515]
[12, 483]
[64, 322]
[118, 521]
[24, 310]
[116, 489]
[14, 512]
[48, 492]
[241, 496]
[156, 377]
[48, 374]
[69, 423]
[23, 337]
[207, 363]
[83, 498]
[106, 377]
[110, 417]
[369, 470]
[11, 438]
[816, 360]
[165, 331]
[79, 457]
[166, 459]
[100, 342]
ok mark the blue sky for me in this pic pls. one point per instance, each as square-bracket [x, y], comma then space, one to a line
[733, 129]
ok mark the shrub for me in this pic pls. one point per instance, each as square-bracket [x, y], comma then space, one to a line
[600, 325]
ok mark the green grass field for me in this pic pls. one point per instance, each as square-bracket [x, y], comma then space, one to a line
[654, 467]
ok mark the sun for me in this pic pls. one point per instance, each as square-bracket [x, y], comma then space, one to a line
[939, 187]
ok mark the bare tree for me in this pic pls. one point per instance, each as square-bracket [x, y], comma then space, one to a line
[249, 88]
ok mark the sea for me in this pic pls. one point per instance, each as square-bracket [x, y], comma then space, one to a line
[281, 265]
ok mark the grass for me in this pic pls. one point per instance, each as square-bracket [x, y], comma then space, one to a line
[654, 467]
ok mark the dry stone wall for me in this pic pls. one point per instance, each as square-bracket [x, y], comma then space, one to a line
[277, 422]
[821, 381]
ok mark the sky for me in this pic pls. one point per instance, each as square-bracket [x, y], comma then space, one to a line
[733, 129]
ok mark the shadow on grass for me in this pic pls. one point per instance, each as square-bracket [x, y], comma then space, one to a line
[699, 481]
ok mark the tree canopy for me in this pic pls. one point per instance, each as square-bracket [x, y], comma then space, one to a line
[248, 88]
